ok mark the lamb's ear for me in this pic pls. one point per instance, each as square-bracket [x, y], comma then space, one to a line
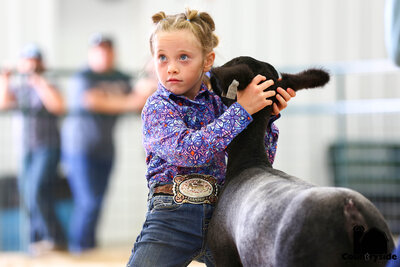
[232, 90]
[310, 78]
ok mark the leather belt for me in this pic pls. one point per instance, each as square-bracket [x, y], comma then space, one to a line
[191, 188]
[164, 189]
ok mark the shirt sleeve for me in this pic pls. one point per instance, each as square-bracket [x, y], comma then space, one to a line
[271, 139]
[167, 136]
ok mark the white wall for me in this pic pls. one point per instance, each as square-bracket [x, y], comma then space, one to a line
[284, 33]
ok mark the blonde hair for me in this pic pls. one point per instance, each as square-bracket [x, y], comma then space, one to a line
[199, 23]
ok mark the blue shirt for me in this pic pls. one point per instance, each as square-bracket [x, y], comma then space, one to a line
[36, 126]
[85, 132]
[183, 136]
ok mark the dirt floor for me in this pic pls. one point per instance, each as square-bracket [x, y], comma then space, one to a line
[103, 257]
[96, 258]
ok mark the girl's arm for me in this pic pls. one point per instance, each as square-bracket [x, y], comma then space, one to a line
[166, 135]
[7, 99]
[50, 97]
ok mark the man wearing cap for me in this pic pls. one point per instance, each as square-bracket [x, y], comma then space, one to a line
[37, 102]
[98, 93]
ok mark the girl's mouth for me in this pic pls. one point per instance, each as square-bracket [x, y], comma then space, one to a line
[173, 80]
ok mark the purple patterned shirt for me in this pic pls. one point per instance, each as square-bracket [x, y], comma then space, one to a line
[183, 136]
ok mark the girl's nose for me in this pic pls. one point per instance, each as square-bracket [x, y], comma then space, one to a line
[172, 68]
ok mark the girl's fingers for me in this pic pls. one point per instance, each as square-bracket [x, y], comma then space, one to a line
[275, 109]
[268, 102]
[266, 84]
[259, 78]
[282, 102]
[291, 92]
[269, 94]
[284, 94]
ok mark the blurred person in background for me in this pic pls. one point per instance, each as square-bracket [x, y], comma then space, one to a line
[392, 30]
[97, 95]
[38, 103]
[392, 39]
[147, 83]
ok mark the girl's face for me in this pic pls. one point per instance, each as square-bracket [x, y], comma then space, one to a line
[180, 63]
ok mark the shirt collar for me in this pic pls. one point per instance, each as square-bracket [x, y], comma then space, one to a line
[164, 92]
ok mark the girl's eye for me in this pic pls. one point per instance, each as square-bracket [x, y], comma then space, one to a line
[183, 57]
[162, 58]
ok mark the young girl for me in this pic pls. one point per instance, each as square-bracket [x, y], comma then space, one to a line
[186, 130]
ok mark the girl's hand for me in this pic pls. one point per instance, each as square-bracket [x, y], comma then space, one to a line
[253, 98]
[283, 97]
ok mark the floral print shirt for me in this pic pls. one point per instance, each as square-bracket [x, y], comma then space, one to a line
[183, 136]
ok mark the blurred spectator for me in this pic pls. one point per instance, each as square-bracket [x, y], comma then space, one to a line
[147, 83]
[392, 29]
[38, 103]
[98, 93]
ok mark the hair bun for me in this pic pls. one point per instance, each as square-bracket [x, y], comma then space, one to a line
[208, 19]
[158, 17]
[190, 14]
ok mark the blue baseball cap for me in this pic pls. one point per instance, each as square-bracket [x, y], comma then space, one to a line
[100, 39]
[31, 51]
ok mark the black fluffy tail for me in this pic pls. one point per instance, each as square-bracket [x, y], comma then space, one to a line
[310, 78]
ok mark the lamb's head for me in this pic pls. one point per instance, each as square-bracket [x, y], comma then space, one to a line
[239, 72]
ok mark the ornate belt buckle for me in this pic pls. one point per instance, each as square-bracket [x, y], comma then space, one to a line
[195, 189]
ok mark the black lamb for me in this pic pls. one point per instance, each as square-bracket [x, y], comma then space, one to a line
[265, 217]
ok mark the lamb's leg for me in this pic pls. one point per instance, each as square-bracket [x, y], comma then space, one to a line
[223, 248]
[227, 257]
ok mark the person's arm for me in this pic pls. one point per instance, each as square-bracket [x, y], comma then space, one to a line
[98, 101]
[166, 135]
[7, 99]
[392, 30]
[51, 98]
[102, 102]
[165, 132]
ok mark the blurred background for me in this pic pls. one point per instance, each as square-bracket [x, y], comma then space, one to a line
[346, 134]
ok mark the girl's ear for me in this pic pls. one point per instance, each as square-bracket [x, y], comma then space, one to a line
[209, 61]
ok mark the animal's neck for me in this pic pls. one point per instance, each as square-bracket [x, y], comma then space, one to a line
[248, 148]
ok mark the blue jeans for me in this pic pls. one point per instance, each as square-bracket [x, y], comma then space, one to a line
[88, 178]
[173, 234]
[37, 174]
